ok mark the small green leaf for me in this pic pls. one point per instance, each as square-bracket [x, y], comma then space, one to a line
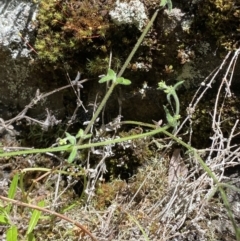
[163, 3]
[35, 217]
[162, 85]
[123, 81]
[80, 133]
[12, 191]
[87, 136]
[105, 79]
[72, 155]
[71, 139]
[70, 207]
[12, 233]
[3, 219]
[13, 187]
[169, 4]
[166, 2]
[172, 120]
[178, 84]
[111, 75]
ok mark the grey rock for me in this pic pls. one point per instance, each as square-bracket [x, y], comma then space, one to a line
[17, 18]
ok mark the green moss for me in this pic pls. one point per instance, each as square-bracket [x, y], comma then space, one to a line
[82, 34]
[221, 18]
[100, 65]
[67, 26]
[107, 192]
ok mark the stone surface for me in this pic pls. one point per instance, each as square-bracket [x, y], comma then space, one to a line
[19, 76]
[17, 26]
[169, 44]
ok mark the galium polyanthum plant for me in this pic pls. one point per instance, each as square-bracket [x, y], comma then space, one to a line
[73, 144]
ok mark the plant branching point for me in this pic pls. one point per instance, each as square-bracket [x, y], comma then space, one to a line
[171, 92]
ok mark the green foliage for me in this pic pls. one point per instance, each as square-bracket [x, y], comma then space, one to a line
[33, 221]
[72, 143]
[111, 75]
[67, 26]
[171, 92]
[166, 2]
[172, 120]
[12, 233]
[5, 214]
[216, 15]
[4, 219]
[12, 191]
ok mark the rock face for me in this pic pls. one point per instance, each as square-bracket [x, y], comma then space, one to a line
[16, 29]
[177, 48]
[19, 78]
[17, 26]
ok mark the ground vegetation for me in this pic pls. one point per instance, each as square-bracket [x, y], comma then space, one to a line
[170, 176]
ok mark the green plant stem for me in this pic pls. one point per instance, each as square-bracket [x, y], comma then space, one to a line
[149, 25]
[138, 124]
[176, 99]
[191, 149]
[139, 226]
[177, 105]
[22, 188]
[84, 146]
[150, 133]
[99, 109]
[210, 174]
[109, 92]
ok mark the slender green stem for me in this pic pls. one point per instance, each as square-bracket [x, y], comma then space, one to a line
[139, 226]
[101, 106]
[149, 25]
[202, 163]
[99, 109]
[177, 105]
[84, 146]
[138, 124]
[175, 96]
[210, 174]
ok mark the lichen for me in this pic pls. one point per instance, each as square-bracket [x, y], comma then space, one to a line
[132, 12]
[186, 25]
[204, 47]
[83, 33]
[189, 74]
[172, 19]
